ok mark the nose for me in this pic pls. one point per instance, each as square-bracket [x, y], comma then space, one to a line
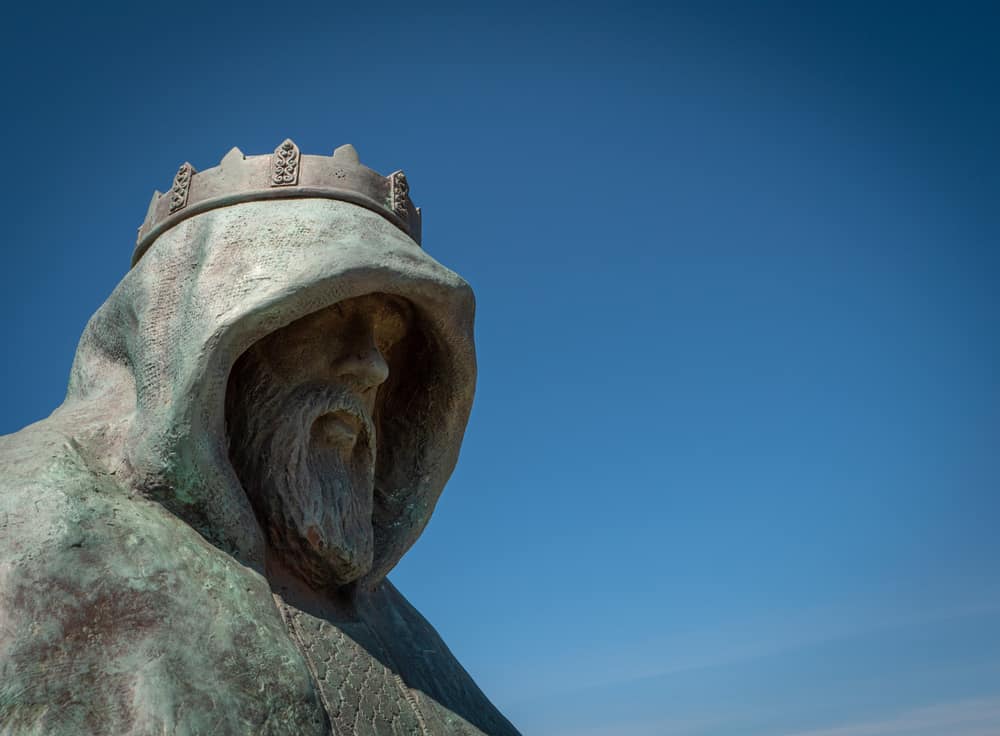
[362, 363]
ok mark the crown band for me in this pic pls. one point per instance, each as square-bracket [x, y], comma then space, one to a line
[285, 174]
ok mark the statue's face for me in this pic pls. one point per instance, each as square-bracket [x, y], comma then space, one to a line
[300, 412]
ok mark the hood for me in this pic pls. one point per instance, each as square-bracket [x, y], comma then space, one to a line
[150, 374]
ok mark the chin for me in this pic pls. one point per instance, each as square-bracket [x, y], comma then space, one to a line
[332, 562]
[326, 539]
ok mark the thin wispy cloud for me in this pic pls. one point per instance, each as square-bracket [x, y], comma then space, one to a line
[882, 684]
[966, 717]
[651, 727]
[969, 717]
[732, 645]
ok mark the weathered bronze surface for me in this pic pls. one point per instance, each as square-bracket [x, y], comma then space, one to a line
[259, 422]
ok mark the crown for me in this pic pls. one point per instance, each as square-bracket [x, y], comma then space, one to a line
[284, 174]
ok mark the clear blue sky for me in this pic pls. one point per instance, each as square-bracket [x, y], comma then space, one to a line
[734, 463]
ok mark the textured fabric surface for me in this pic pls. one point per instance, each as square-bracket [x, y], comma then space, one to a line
[132, 594]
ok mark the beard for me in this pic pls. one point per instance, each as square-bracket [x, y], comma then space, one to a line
[313, 496]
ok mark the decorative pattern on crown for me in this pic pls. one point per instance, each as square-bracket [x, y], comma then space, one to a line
[399, 193]
[284, 174]
[179, 191]
[285, 164]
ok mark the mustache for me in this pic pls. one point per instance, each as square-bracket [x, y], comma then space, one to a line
[304, 405]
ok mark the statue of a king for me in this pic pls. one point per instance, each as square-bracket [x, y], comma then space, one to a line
[259, 422]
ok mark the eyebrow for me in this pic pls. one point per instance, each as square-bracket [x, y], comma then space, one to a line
[399, 306]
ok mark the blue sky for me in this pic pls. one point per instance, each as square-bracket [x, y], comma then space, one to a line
[734, 462]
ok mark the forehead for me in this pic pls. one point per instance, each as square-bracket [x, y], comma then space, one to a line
[376, 305]
[374, 309]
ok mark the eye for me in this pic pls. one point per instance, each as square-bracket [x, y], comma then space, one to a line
[391, 325]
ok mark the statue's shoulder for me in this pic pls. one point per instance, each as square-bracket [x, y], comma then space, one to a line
[44, 489]
[429, 668]
[49, 507]
[113, 613]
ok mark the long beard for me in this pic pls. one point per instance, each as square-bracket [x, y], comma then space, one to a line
[314, 500]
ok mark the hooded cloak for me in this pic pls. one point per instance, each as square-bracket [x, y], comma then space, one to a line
[133, 598]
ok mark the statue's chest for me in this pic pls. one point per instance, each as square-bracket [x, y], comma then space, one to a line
[360, 690]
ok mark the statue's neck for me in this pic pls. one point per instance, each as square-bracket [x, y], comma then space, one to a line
[340, 604]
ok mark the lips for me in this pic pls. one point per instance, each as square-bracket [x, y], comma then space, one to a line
[338, 429]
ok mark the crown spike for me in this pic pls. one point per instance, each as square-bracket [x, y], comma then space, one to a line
[234, 155]
[151, 210]
[152, 202]
[346, 154]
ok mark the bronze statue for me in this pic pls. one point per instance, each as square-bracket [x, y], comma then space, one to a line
[259, 422]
